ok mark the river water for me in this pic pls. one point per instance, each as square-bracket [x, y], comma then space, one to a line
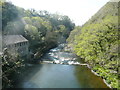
[59, 69]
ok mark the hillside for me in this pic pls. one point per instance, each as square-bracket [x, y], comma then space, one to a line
[96, 42]
[42, 29]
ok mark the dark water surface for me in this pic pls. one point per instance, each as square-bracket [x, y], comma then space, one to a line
[61, 75]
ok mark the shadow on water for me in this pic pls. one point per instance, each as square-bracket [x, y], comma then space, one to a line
[50, 76]
[59, 75]
[27, 73]
[87, 79]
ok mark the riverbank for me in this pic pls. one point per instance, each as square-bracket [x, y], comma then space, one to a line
[81, 62]
[87, 65]
[68, 48]
[48, 74]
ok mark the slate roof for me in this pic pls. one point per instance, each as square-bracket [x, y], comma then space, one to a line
[12, 39]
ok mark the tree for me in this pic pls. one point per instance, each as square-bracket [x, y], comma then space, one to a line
[9, 13]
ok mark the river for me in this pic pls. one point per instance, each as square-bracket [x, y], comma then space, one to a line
[59, 69]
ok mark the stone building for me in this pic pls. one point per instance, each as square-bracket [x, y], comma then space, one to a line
[16, 44]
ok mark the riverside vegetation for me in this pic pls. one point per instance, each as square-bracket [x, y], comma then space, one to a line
[42, 29]
[96, 42]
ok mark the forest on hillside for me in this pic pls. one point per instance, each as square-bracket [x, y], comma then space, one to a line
[96, 42]
[42, 29]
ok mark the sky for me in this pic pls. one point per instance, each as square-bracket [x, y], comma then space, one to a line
[79, 11]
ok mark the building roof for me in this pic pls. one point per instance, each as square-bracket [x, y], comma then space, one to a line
[12, 39]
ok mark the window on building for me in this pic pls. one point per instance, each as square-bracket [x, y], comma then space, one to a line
[17, 44]
[20, 44]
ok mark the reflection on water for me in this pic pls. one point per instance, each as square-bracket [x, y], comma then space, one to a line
[87, 79]
[51, 76]
[59, 75]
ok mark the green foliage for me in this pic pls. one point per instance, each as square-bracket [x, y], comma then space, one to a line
[32, 31]
[39, 27]
[9, 13]
[97, 42]
[109, 75]
[35, 25]
[14, 27]
[10, 65]
[27, 20]
[42, 29]
[73, 34]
